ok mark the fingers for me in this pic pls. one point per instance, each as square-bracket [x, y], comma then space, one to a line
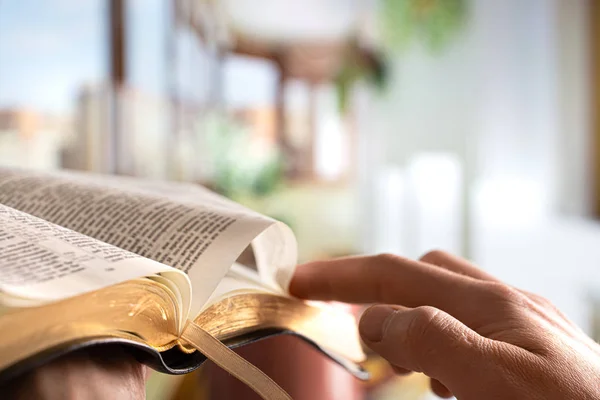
[371, 279]
[391, 280]
[456, 264]
[425, 340]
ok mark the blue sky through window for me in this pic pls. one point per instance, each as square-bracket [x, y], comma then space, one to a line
[48, 50]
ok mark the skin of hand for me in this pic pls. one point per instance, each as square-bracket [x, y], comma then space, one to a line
[474, 336]
[99, 373]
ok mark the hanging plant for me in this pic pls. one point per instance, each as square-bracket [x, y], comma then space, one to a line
[359, 64]
[434, 22]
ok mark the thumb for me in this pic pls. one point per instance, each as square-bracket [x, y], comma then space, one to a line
[427, 340]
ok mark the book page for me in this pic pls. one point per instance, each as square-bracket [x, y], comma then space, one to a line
[275, 248]
[239, 280]
[42, 262]
[180, 225]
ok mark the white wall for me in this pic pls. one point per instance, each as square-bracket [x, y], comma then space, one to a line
[516, 113]
[508, 100]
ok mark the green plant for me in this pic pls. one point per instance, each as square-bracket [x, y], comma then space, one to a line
[359, 64]
[242, 167]
[434, 22]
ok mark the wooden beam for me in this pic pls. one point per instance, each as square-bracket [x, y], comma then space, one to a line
[254, 48]
[117, 161]
[117, 41]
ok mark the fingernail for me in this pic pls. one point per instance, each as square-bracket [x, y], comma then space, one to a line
[374, 321]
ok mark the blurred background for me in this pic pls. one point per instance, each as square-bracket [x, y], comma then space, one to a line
[366, 125]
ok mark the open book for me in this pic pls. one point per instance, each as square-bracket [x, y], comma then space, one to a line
[91, 259]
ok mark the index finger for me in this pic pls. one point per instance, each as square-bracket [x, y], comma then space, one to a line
[388, 279]
[456, 264]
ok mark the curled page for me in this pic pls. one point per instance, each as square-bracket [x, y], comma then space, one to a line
[274, 244]
[276, 253]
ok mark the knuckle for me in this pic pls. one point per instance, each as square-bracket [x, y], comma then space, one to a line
[506, 300]
[541, 300]
[542, 305]
[423, 334]
[424, 322]
[434, 256]
[504, 292]
[386, 258]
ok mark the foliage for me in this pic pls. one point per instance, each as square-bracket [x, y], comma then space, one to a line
[359, 64]
[242, 167]
[435, 22]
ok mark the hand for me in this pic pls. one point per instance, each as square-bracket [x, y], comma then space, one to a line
[475, 337]
[96, 373]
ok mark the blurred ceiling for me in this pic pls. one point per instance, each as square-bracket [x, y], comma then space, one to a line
[297, 21]
[307, 39]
